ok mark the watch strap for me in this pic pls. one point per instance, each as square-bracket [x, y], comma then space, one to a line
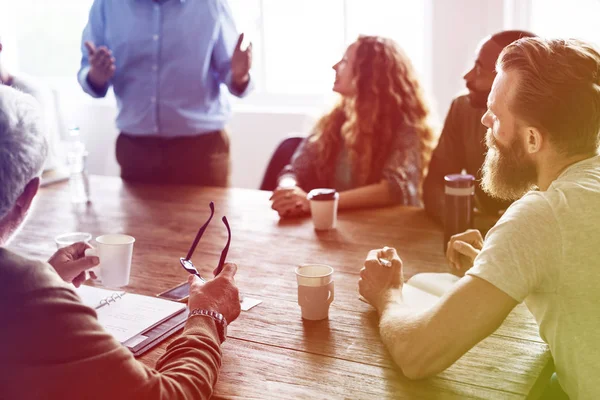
[219, 319]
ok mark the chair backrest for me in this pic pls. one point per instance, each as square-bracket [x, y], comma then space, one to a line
[281, 157]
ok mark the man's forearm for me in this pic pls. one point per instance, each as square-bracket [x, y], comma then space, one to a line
[190, 367]
[395, 326]
[404, 332]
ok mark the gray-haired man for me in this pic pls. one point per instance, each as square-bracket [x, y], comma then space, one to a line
[51, 345]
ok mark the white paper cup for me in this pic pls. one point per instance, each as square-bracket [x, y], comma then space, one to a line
[323, 208]
[115, 252]
[315, 290]
[67, 239]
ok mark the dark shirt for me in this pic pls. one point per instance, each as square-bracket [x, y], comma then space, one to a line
[461, 146]
[400, 167]
[52, 346]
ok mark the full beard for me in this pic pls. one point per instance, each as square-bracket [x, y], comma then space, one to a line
[507, 172]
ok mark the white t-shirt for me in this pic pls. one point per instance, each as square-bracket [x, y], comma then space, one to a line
[545, 250]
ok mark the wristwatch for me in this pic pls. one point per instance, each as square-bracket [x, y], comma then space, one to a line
[220, 320]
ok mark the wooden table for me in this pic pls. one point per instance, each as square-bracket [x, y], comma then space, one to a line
[271, 352]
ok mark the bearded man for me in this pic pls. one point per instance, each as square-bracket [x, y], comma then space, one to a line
[543, 123]
[461, 146]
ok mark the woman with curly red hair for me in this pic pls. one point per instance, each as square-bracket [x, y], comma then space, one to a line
[374, 146]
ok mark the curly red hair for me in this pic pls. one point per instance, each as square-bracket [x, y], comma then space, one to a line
[389, 99]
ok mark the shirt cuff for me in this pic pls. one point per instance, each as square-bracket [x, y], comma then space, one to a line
[232, 90]
[86, 85]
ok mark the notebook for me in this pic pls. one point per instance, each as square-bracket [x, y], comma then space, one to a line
[145, 341]
[127, 316]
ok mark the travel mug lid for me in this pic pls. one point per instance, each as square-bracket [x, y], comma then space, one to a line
[322, 194]
[459, 180]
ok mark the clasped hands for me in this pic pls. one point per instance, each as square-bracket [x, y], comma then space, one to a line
[290, 202]
[381, 278]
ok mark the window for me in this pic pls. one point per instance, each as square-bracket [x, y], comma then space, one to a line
[295, 43]
[559, 18]
[50, 39]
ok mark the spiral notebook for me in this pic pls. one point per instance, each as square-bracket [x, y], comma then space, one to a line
[127, 316]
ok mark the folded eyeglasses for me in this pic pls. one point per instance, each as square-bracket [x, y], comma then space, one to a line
[186, 262]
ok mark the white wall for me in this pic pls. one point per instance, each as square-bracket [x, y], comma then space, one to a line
[457, 28]
[254, 135]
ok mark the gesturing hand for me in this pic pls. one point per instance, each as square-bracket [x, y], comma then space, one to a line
[241, 62]
[102, 65]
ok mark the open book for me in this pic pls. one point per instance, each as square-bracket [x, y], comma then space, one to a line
[423, 290]
[133, 319]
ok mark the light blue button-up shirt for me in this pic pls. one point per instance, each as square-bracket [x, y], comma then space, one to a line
[172, 59]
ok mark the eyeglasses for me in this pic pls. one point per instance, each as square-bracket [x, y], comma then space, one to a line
[186, 262]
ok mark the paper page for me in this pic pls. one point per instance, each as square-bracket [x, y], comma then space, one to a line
[134, 314]
[247, 303]
[433, 283]
[417, 298]
[92, 296]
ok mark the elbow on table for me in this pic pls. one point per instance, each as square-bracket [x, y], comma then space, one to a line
[415, 361]
[415, 371]
[411, 367]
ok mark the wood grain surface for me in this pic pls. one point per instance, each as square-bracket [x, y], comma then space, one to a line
[271, 352]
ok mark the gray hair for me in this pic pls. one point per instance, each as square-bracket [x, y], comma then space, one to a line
[23, 147]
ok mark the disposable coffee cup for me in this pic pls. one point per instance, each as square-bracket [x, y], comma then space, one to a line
[315, 290]
[115, 252]
[323, 208]
[67, 239]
